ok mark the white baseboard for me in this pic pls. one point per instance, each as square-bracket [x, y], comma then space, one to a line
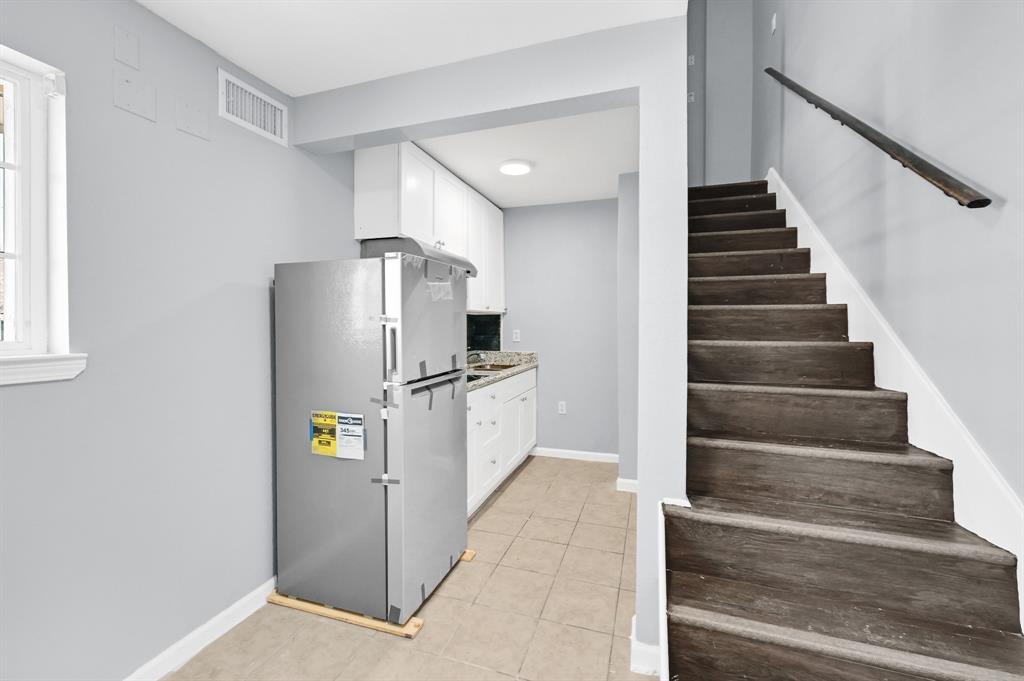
[984, 502]
[186, 648]
[644, 658]
[577, 454]
[627, 485]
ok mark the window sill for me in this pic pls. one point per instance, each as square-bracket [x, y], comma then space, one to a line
[17, 369]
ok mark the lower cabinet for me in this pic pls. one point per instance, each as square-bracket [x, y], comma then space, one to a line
[501, 431]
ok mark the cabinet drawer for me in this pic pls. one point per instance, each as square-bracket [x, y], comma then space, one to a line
[517, 385]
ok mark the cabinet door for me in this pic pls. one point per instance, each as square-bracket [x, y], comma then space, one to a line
[417, 194]
[476, 248]
[527, 403]
[472, 454]
[509, 435]
[450, 196]
[489, 457]
[494, 260]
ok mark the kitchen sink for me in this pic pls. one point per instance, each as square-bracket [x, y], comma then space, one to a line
[475, 377]
[490, 367]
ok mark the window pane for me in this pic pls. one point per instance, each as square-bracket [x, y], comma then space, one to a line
[3, 183]
[3, 270]
[8, 284]
[3, 147]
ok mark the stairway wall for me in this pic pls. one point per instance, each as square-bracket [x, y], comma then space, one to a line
[943, 79]
[728, 90]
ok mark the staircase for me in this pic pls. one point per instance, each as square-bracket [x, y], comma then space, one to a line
[820, 544]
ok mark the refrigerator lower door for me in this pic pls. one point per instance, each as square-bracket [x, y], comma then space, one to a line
[427, 507]
[425, 305]
[329, 357]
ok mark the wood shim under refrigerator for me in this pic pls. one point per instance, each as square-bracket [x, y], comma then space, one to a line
[370, 400]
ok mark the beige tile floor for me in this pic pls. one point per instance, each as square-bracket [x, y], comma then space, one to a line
[548, 597]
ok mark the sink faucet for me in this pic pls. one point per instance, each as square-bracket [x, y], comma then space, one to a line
[478, 355]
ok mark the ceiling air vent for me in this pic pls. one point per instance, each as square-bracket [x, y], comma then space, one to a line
[248, 107]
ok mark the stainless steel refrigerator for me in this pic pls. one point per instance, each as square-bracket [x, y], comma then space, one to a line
[370, 400]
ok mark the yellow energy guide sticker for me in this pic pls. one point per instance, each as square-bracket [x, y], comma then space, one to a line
[323, 432]
[337, 434]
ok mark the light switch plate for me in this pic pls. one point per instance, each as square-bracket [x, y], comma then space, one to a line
[515, 336]
[134, 95]
[191, 118]
[126, 47]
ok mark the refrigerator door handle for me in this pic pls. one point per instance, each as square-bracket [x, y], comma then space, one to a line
[392, 352]
[434, 380]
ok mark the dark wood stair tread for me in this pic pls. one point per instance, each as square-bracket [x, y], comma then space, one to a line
[902, 455]
[731, 204]
[715, 191]
[766, 278]
[803, 322]
[739, 240]
[734, 197]
[987, 648]
[761, 289]
[726, 254]
[824, 443]
[908, 664]
[906, 481]
[782, 362]
[742, 220]
[921, 535]
[869, 393]
[757, 261]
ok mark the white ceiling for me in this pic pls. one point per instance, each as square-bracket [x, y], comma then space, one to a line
[305, 46]
[576, 158]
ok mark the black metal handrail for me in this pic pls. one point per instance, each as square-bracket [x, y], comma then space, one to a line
[964, 194]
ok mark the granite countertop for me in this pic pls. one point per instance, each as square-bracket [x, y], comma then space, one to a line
[521, 361]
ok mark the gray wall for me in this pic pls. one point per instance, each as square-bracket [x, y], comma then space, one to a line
[729, 90]
[560, 282]
[944, 79]
[135, 500]
[628, 320]
[696, 129]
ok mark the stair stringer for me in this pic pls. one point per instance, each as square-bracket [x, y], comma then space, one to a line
[983, 500]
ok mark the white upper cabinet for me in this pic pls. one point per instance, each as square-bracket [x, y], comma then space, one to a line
[400, 190]
[450, 212]
[419, 197]
[493, 269]
[476, 249]
[486, 250]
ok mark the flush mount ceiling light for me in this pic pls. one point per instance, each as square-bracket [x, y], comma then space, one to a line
[515, 167]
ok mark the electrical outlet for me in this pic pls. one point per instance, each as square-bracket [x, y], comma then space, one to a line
[561, 407]
[691, 60]
[691, 97]
[515, 336]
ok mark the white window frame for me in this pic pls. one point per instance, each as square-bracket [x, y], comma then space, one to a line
[38, 212]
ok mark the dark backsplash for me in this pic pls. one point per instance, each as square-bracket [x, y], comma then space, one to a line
[483, 331]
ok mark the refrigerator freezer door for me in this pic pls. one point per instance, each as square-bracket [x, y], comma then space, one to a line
[425, 304]
[329, 354]
[427, 508]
